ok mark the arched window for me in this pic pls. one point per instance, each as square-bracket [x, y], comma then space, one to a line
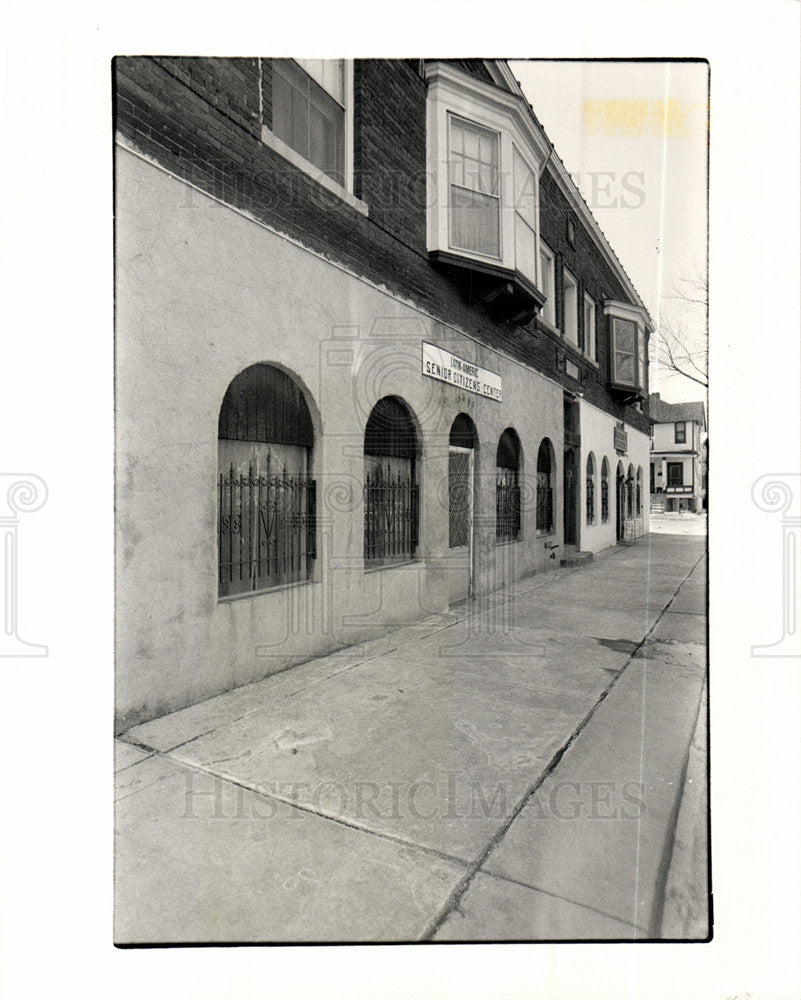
[604, 491]
[266, 498]
[545, 473]
[630, 492]
[639, 491]
[390, 484]
[590, 489]
[507, 487]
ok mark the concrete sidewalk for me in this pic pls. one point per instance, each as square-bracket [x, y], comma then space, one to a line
[509, 770]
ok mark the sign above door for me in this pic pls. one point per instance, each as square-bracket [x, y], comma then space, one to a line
[450, 368]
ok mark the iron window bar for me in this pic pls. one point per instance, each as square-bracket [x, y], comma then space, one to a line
[267, 529]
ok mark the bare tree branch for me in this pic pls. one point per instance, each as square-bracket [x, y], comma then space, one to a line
[678, 349]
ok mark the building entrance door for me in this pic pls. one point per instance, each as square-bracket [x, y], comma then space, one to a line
[620, 503]
[460, 523]
[570, 496]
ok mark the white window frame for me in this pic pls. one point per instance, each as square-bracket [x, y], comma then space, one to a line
[590, 339]
[453, 94]
[524, 222]
[497, 196]
[548, 278]
[634, 314]
[269, 138]
[570, 317]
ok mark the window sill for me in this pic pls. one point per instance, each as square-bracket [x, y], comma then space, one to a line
[279, 146]
[549, 327]
[228, 598]
[509, 541]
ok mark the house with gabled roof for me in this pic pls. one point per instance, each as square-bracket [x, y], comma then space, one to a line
[678, 445]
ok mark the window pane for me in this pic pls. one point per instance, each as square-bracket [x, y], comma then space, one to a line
[589, 328]
[547, 283]
[624, 336]
[471, 143]
[641, 357]
[525, 201]
[624, 368]
[474, 222]
[307, 119]
[571, 309]
[329, 73]
[478, 150]
[457, 137]
[525, 249]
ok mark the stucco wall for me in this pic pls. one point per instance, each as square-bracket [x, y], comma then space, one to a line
[597, 437]
[665, 437]
[202, 293]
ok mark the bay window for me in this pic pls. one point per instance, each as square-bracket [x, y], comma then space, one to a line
[485, 154]
[628, 366]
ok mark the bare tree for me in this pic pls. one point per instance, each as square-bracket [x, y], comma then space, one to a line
[681, 341]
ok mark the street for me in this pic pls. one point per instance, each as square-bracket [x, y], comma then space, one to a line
[511, 769]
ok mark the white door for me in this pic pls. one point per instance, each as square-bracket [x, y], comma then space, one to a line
[460, 523]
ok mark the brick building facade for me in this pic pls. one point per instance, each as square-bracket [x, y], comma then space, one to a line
[374, 355]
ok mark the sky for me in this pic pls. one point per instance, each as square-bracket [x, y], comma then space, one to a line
[633, 135]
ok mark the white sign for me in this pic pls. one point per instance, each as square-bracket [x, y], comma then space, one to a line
[456, 371]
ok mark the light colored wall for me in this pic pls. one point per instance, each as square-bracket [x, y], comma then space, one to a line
[597, 436]
[664, 438]
[202, 293]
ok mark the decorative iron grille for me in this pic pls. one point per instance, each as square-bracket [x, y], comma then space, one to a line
[390, 515]
[458, 499]
[590, 500]
[507, 505]
[630, 496]
[267, 530]
[544, 502]
[605, 499]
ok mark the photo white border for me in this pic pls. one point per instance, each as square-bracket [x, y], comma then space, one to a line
[56, 852]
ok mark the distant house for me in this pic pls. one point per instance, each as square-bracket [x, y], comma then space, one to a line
[678, 446]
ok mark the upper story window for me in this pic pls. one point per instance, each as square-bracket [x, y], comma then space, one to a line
[627, 348]
[308, 117]
[547, 264]
[308, 111]
[485, 155]
[570, 308]
[680, 432]
[590, 346]
[474, 201]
